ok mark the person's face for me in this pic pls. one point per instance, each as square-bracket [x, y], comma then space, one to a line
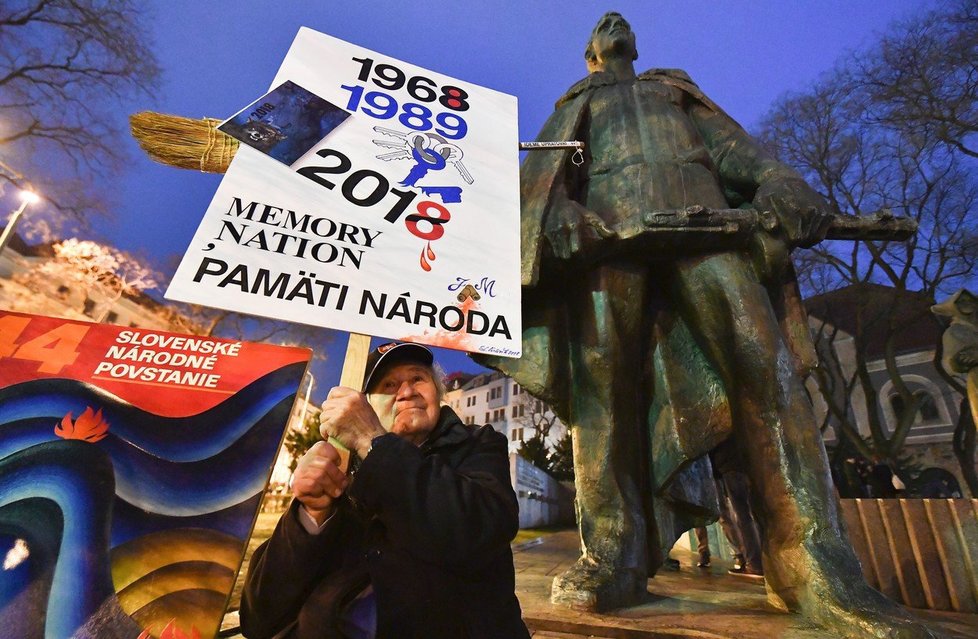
[406, 401]
[612, 37]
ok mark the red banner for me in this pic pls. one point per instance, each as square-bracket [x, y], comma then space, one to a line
[134, 364]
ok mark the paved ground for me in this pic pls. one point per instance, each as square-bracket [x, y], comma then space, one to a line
[692, 603]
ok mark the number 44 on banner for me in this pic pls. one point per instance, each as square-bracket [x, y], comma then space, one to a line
[53, 349]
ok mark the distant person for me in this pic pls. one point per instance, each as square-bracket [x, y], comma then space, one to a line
[736, 516]
[702, 547]
[883, 482]
[937, 483]
[851, 476]
[414, 544]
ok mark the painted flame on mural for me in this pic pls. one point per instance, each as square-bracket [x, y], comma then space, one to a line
[89, 426]
[172, 631]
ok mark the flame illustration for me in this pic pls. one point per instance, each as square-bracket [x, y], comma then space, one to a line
[425, 263]
[172, 631]
[89, 426]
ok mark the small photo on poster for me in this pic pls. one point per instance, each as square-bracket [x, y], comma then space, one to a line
[285, 122]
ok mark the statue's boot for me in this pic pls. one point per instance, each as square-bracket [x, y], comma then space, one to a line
[814, 583]
[607, 413]
[809, 563]
[596, 587]
[612, 569]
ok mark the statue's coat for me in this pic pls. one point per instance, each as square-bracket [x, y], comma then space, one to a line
[690, 413]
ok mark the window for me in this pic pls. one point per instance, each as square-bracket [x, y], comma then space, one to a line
[516, 389]
[487, 396]
[487, 416]
[927, 413]
[932, 419]
[494, 393]
[516, 435]
[928, 409]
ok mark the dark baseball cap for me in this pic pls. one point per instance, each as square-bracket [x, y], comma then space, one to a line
[386, 355]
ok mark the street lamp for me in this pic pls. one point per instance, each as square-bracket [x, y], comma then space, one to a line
[27, 197]
[305, 404]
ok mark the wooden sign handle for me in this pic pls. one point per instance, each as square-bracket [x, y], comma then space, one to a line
[357, 349]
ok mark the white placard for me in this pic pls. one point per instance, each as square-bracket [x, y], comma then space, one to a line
[341, 239]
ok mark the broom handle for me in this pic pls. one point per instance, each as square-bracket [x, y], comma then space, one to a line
[357, 349]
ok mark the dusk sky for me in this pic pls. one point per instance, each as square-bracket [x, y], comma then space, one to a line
[218, 57]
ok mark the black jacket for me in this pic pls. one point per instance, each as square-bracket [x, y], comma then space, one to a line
[428, 526]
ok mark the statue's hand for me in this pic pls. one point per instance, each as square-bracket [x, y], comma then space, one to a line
[803, 214]
[966, 358]
[570, 227]
[770, 254]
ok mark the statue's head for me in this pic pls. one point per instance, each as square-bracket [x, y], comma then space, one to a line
[612, 37]
[962, 307]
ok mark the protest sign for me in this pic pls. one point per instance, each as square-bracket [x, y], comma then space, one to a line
[132, 466]
[402, 222]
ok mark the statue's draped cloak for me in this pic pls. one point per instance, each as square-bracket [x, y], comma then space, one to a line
[690, 411]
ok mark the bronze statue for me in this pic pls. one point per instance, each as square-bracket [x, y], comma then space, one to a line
[960, 341]
[656, 355]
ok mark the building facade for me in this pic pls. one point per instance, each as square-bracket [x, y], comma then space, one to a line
[23, 291]
[873, 342]
[493, 398]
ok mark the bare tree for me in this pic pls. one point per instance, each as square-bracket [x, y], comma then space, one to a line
[299, 440]
[855, 138]
[64, 66]
[923, 76]
[539, 447]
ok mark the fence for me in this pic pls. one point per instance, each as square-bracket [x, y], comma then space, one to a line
[543, 500]
[921, 552]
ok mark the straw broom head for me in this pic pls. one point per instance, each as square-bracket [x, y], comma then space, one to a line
[183, 142]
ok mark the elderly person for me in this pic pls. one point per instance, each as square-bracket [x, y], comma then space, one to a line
[415, 543]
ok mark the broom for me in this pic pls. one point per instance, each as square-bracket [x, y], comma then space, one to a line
[186, 143]
[189, 143]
